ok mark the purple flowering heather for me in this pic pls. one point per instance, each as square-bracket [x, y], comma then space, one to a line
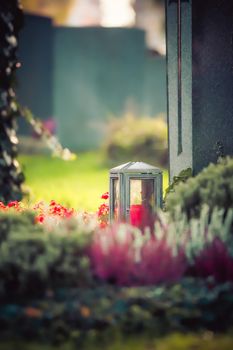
[123, 256]
[214, 260]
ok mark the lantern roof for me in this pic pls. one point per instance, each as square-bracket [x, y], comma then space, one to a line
[135, 167]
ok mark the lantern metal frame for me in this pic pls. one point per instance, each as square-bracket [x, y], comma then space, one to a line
[124, 174]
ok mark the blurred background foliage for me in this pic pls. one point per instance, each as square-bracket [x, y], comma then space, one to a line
[132, 138]
[58, 9]
[146, 14]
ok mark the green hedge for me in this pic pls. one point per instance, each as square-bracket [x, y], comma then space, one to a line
[213, 187]
[33, 260]
[102, 313]
[48, 294]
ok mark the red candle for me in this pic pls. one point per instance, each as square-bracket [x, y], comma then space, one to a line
[137, 212]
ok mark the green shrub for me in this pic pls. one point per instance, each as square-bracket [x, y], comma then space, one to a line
[105, 315]
[136, 139]
[12, 222]
[33, 260]
[183, 176]
[47, 294]
[213, 186]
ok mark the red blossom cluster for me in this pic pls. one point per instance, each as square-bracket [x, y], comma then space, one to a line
[105, 195]
[57, 211]
[54, 210]
[17, 206]
[42, 210]
[103, 212]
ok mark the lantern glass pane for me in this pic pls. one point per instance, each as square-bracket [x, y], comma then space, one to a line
[142, 201]
[116, 198]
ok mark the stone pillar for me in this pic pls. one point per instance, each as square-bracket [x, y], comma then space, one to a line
[200, 82]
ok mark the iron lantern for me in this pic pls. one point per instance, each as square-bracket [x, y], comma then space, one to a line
[135, 192]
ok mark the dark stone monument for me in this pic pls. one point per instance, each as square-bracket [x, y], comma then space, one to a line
[83, 76]
[200, 82]
[35, 77]
[98, 73]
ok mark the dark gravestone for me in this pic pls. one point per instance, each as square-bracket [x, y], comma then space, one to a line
[97, 72]
[34, 78]
[85, 76]
[200, 82]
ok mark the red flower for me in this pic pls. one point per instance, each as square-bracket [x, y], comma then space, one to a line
[14, 204]
[40, 219]
[2, 206]
[105, 195]
[103, 210]
[103, 213]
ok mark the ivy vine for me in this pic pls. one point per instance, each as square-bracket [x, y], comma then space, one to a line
[11, 176]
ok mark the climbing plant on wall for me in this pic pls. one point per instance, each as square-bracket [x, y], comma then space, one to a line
[11, 177]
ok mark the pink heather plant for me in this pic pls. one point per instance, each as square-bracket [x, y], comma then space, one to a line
[159, 264]
[214, 260]
[124, 256]
[112, 256]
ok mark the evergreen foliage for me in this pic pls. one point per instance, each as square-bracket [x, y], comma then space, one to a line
[49, 292]
[213, 187]
[11, 177]
[33, 260]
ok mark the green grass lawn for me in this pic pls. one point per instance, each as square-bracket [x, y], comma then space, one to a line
[77, 183]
